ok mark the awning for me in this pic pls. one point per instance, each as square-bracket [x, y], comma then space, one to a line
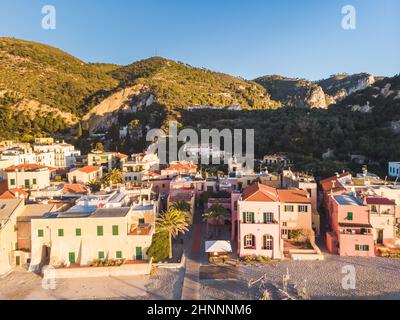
[218, 246]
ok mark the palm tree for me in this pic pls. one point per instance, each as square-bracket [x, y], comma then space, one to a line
[174, 222]
[94, 185]
[216, 215]
[113, 177]
[181, 206]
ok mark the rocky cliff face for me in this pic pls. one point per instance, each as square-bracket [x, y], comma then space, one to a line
[294, 92]
[302, 93]
[340, 86]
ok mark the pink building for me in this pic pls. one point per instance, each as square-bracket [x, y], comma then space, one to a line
[351, 233]
[258, 221]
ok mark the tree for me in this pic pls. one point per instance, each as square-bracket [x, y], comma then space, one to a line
[181, 206]
[94, 185]
[79, 131]
[99, 147]
[173, 222]
[216, 215]
[113, 177]
[159, 248]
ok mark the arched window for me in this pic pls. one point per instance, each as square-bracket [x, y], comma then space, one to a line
[268, 242]
[249, 241]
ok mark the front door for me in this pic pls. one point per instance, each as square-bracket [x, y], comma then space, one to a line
[380, 237]
[71, 257]
[139, 255]
[17, 260]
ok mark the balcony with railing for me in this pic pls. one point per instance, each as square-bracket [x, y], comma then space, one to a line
[140, 229]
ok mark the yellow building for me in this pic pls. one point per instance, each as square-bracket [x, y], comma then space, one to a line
[62, 239]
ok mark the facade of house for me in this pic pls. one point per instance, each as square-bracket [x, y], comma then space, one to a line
[179, 168]
[63, 154]
[258, 222]
[62, 239]
[85, 175]
[28, 176]
[10, 209]
[382, 218]
[352, 232]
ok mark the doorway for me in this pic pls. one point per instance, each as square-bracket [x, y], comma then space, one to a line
[379, 237]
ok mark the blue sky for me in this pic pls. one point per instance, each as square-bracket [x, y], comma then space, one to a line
[247, 38]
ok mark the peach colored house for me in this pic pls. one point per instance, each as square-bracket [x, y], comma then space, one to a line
[258, 222]
[351, 233]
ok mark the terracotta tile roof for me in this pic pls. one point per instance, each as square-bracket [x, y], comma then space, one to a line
[75, 188]
[89, 169]
[28, 166]
[12, 194]
[121, 156]
[259, 192]
[182, 167]
[380, 201]
[327, 183]
[293, 196]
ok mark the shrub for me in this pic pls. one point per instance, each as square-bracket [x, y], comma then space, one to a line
[159, 248]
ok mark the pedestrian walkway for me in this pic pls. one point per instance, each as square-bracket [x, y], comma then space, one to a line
[191, 284]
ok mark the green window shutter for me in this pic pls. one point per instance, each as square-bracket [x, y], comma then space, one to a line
[100, 230]
[71, 257]
[101, 255]
[118, 254]
[114, 230]
[40, 233]
[252, 217]
[78, 232]
[265, 217]
[34, 181]
[357, 247]
[244, 217]
[350, 216]
[367, 248]
[61, 232]
[12, 182]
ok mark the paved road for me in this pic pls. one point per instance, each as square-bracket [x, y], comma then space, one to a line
[191, 283]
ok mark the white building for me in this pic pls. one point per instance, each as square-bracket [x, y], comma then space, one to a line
[28, 176]
[64, 154]
[85, 175]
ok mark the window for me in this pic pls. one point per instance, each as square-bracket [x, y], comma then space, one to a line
[78, 232]
[118, 255]
[34, 181]
[101, 255]
[268, 217]
[289, 208]
[373, 208]
[100, 231]
[61, 232]
[249, 241]
[268, 242]
[350, 216]
[12, 182]
[362, 247]
[303, 208]
[114, 230]
[40, 233]
[248, 217]
[141, 222]
[27, 183]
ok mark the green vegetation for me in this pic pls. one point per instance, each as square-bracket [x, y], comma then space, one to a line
[160, 247]
[173, 222]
